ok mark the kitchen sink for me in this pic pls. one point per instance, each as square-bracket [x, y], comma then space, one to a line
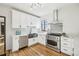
[32, 35]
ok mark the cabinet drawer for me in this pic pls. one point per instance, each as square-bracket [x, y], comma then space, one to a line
[32, 41]
[67, 44]
[64, 39]
[67, 50]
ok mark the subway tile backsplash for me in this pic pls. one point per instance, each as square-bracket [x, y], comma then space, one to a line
[56, 28]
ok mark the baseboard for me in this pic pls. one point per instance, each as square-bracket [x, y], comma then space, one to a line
[36, 44]
[65, 54]
[23, 47]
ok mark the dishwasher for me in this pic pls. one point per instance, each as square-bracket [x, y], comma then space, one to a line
[23, 41]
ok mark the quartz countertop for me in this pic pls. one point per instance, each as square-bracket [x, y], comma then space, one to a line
[72, 35]
[22, 35]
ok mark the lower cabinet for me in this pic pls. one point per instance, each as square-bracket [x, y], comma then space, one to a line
[19, 42]
[32, 41]
[67, 46]
[42, 39]
[67, 50]
[76, 51]
[15, 43]
[76, 46]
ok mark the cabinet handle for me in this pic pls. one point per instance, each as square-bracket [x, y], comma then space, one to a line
[65, 49]
[65, 39]
[65, 43]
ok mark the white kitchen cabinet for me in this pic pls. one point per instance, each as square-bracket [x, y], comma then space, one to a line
[32, 41]
[20, 19]
[76, 46]
[16, 19]
[15, 43]
[67, 46]
[24, 20]
[76, 51]
[33, 21]
[29, 19]
[67, 50]
[42, 38]
[19, 41]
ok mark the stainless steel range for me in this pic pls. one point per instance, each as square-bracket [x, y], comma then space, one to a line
[54, 41]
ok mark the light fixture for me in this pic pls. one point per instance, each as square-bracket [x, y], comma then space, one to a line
[36, 5]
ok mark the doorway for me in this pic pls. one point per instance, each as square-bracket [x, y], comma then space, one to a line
[2, 35]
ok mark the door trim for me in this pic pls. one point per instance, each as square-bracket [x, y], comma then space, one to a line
[4, 35]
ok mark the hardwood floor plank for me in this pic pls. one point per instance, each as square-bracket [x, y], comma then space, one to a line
[36, 50]
[33, 52]
[45, 50]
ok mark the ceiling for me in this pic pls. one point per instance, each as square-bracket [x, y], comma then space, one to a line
[39, 11]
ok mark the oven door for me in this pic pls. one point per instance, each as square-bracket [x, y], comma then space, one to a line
[54, 41]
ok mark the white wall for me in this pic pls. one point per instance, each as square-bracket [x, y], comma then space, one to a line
[70, 17]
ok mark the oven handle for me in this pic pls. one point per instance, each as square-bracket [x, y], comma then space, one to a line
[58, 42]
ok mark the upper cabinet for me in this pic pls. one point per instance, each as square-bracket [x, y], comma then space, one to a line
[34, 21]
[19, 19]
[23, 20]
[16, 19]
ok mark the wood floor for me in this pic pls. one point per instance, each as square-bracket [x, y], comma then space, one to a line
[36, 50]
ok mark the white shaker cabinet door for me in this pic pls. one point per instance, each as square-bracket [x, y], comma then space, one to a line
[29, 20]
[76, 46]
[16, 19]
[15, 43]
[42, 39]
[34, 20]
[32, 41]
[24, 20]
[67, 45]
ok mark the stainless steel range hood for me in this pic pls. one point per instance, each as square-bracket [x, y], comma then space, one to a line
[55, 16]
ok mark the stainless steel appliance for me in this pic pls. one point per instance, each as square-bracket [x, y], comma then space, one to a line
[54, 41]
